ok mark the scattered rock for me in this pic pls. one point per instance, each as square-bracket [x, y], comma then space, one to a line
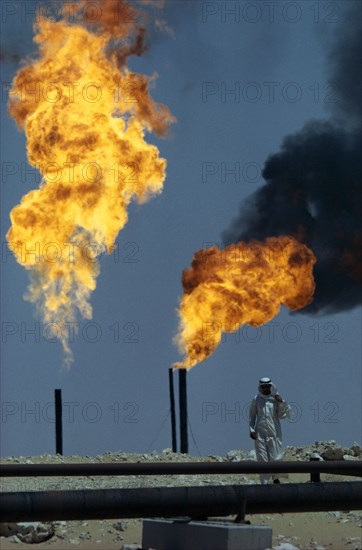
[357, 450]
[14, 538]
[85, 536]
[120, 526]
[333, 453]
[235, 456]
[316, 456]
[285, 546]
[27, 532]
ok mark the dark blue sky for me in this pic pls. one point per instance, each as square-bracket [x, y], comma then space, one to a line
[238, 83]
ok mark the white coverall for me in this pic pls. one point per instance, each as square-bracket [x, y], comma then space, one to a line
[265, 414]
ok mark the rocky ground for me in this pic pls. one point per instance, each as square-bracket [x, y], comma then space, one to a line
[337, 530]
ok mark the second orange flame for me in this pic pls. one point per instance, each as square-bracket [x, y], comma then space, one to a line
[245, 283]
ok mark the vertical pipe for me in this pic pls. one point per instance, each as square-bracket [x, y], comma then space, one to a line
[315, 477]
[173, 412]
[58, 422]
[184, 445]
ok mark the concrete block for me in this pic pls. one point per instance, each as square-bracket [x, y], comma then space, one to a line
[167, 534]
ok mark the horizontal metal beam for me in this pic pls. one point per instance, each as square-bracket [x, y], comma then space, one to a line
[339, 467]
[195, 502]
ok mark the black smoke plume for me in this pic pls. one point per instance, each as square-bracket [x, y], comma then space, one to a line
[313, 185]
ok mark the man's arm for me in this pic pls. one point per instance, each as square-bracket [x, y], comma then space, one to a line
[284, 409]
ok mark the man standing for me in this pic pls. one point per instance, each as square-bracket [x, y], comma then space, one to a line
[266, 410]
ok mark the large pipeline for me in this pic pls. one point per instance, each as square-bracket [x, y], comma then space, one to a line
[194, 502]
[340, 467]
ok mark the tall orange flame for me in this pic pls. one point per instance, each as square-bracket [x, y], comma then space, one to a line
[85, 116]
[245, 283]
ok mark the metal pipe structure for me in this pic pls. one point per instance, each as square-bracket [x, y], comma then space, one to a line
[184, 444]
[194, 502]
[58, 422]
[315, 477]
[338, 467]
[172, 408]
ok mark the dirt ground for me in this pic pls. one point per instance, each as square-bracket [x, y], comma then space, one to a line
[339, 530]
